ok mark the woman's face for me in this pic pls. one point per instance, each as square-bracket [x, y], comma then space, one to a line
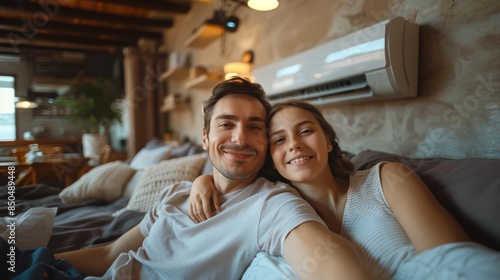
[298, 146]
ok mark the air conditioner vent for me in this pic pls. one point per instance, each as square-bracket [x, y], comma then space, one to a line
[344, 86]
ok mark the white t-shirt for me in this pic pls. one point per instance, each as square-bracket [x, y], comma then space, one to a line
[255, 218]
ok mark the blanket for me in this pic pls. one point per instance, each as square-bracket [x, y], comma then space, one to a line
[76, 225]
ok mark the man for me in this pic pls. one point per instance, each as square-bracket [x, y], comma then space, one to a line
[256, 214]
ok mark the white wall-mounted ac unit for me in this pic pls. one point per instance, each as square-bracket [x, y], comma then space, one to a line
[376, 63]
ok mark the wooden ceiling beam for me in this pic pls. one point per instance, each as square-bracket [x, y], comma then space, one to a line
[6, 48]
[66, 14]
[16, 40]
[164, 6]
[14, 24]
[68, 38]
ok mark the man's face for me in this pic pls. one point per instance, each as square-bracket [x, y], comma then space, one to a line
[237, 141]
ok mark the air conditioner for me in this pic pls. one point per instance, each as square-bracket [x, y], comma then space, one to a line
[376, 63]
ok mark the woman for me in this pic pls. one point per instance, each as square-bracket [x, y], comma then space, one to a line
[387, 211]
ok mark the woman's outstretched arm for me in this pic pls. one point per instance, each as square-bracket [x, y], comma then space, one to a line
[426, 222]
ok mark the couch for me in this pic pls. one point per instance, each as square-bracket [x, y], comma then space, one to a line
[112, 198]
[468, 188]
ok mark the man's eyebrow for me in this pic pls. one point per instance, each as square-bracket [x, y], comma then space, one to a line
[226, 117]
[233, 117]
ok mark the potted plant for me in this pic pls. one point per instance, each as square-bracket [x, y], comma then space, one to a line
[96, 102]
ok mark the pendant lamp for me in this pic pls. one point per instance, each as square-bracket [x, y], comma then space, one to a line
[263, 5]
[27, 102]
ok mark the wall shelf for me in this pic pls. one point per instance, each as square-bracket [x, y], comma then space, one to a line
[205, 35]
[178, 106]
[176, 101]
[178, 73]
[204, 81]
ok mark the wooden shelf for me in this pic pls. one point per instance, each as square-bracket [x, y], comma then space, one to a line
[205, 35]
[175, 74]
[204, 81]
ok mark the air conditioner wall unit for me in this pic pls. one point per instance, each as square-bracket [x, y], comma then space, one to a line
[376, 63]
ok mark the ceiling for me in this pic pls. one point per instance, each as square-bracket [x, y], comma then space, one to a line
[84, 25]
[62, 37]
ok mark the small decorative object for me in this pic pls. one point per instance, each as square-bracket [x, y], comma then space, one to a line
[28, 135]
[33, 155]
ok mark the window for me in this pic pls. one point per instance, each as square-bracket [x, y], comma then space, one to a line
[7, 109]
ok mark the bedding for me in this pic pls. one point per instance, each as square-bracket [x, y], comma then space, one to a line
[33, 227]
[96, 209]
[468, 188]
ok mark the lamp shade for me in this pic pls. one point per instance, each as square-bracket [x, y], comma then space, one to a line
[263, 5]
[241, 69]
[27, 102]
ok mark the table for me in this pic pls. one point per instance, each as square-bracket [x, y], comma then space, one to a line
[65, 170]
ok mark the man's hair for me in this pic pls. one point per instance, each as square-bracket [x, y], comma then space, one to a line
[340, 166]
[235, 85]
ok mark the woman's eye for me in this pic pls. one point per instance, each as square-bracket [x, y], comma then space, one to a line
[306, 131]
[278, 140]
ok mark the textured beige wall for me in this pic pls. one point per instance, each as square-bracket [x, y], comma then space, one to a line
[457, 113]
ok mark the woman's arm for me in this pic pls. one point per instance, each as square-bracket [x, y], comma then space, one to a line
[314, 252]
[426, 222]
[203, 192]
[95, 261]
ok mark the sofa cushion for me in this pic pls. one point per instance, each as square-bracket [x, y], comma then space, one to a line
[105, 182]
[468, 188]
[161, 175]
[149, 156]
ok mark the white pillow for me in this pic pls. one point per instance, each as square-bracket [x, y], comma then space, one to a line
[33, 227]
[105, 182]
[161, 175]
[147, 157]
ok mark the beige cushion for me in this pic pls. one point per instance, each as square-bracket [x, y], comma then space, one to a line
[105, 182]
[161, 175]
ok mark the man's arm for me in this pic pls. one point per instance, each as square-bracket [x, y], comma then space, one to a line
[314, 252]
[95, 261]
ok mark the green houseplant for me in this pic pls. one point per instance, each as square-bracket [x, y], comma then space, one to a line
[97, 103]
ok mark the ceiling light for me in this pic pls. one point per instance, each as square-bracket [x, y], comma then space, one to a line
[27, 102]
[263, 5]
